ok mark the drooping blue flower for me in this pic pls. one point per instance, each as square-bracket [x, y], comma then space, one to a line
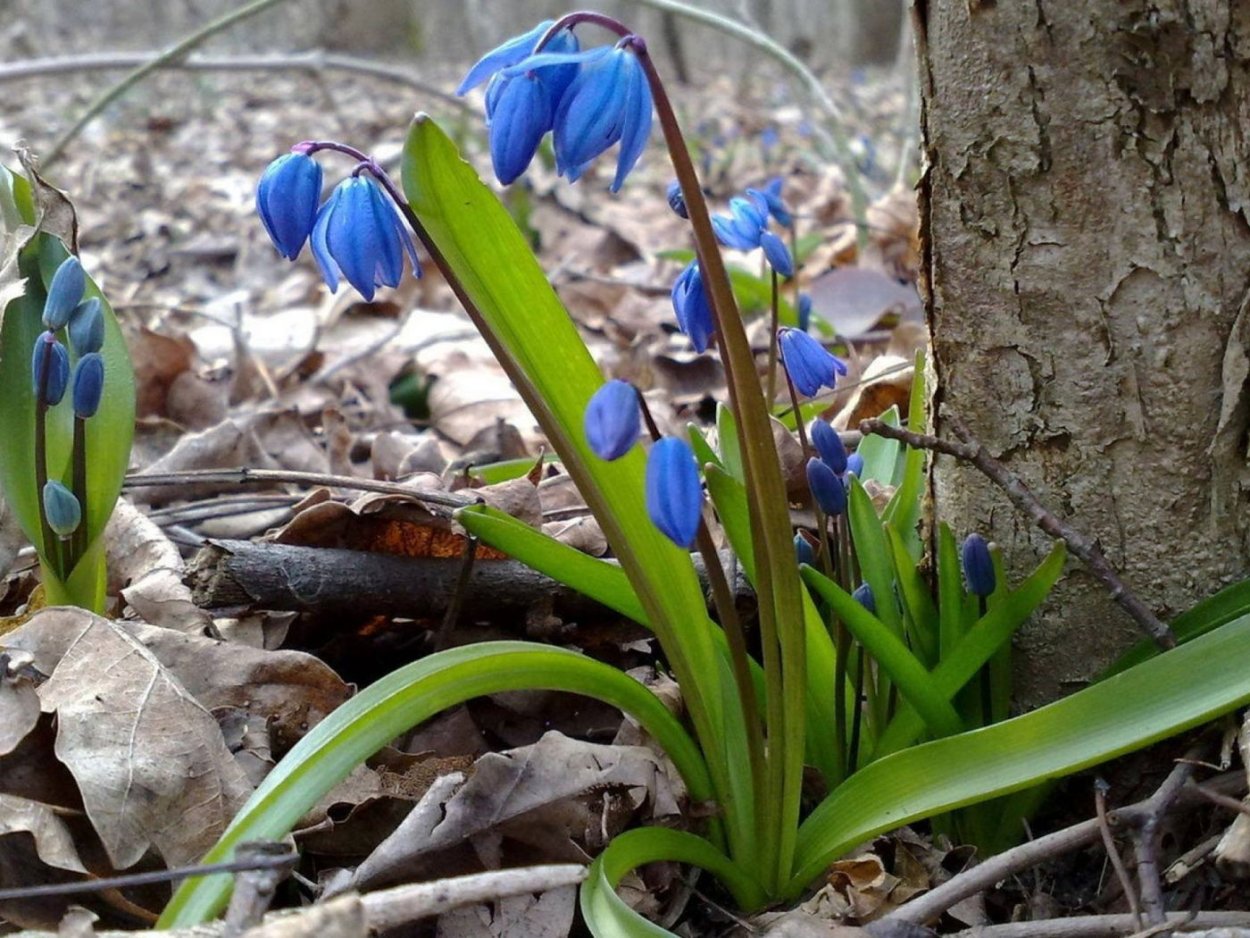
[674, 494]
[69, 282]
[855, 465]
[803, 551]
[516, 50]
[741, 228]
[805, 311]
[809, 365]
[49, 369]
[61, 508]
[677, 199]
[778, 254]
[693, 309]
[612, 421]
[864, 596]
[827, 489]
[776, 205]
[359, 235]
[88, 385]
[286, 200]
[518, 111]
[978, 565]
[86, 327]
[829, 446]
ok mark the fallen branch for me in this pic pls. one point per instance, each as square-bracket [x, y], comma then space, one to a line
[1105, 926]
[1023, 498]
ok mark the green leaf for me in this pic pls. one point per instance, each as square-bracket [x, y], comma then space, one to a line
[921, 612]
[903, 511]
[876, 566]
[727, 442]
[400, 701]
[880, 453]
[1185, 687]
[1228, 604]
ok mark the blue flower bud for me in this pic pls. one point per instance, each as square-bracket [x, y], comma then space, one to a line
[86, 327]
[855, 465]
[803, 551]
[693, 308]
[978, 565]
[741, 228]
[829, 446]
[518, 110]
[777, 253]
[359, 234]
[612, 421]
[677, 199]
[286, 200]
[808, 363]
[674, 494]
[49, 368]
[64, 293]
[863, 595]
[805, 311]
[776, 205]
[88, 385]
[827, 488]
[61, 509]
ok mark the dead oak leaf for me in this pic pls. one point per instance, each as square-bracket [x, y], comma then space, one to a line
[53, 842]
[149, 760]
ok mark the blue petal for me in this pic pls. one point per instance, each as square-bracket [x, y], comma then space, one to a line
[61, 509]
[509, 53]
[807, 362]
[612, 421]
[692, 307]
[591, 115]
[978, 565]
[522, 115]
[51, 355]
[777, 253]
[320, 248]
[352, 238]
[86, 327]
[728, 234]
[827, 489]
[863, 595]
[389, 262]
[286, 200]
[776, 205]
[829, 446]
[674, 494]
[69, 282]
[637, 129]
[88, 385]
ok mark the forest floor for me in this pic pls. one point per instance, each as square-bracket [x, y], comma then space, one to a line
[388, 407]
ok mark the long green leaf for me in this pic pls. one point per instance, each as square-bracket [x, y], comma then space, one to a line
[1166, 695]
[401, 700]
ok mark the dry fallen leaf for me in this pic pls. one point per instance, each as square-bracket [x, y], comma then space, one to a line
[149, 760]
[53, 841]
[19, 707]
[546, 915]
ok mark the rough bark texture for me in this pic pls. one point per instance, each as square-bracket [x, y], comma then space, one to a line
[1086, 212]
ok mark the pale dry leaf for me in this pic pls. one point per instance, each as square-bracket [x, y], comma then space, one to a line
[855, 300]
[546, 915]
[11, 536]
[142, 557]
[149, 760]
[515, 497]
[885, 383]
[19, 708]
[53, 842]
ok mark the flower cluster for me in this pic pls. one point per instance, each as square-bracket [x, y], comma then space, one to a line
[67, 309]
[746, 226]
[828, 469]
[356, 234]
[589, 100]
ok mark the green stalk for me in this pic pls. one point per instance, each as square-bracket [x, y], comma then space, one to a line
[51, 546]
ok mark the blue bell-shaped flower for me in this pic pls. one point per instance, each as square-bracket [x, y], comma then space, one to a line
[359, 234]
[88, 385]
[778, 254]
[516, 50]
[674, 494]
[864, 596]
[827, 489]
[61, 509]
[612, 421]
[978, 565]
[776, 205]
[677, 199]
[286, 200]
[693, 308]
[49, 368]
[86, 327]
[519, 114]
[829, 445]
[805, 311]
[803, 550]
[69, 282]
[809, 365]
[741, 228]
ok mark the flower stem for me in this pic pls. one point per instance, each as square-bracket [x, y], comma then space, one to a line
[51, 549]
[77, 544]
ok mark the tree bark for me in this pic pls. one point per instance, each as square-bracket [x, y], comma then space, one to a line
[1085, 215]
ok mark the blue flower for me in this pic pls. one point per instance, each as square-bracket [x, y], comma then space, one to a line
[86, 327]
[855, 465]
[612, 422]
[741, 228]
[864, 596]
[88, 385]
[978, 565]
[808, 363]
[803, 551]
[827, 489]
[693, 309]
[829, 446]
[516, 50]
[50, 357]
[674, 495]
[286, 200]
[805, 311]
[61, 509]
[777, 253]
[519, 113]
[677, 199]
[64, 293]
[359, 234]
[776, 205]
[608, 101]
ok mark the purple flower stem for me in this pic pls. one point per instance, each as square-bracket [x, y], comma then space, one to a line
[51, 546]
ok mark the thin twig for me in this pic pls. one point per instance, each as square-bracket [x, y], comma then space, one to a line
[1113, 851]
[104, 883]
[1224, 801]
[175, 52]
[1101, 926]
[1023, 498]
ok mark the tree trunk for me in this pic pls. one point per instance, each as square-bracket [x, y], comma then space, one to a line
[1086, 215]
